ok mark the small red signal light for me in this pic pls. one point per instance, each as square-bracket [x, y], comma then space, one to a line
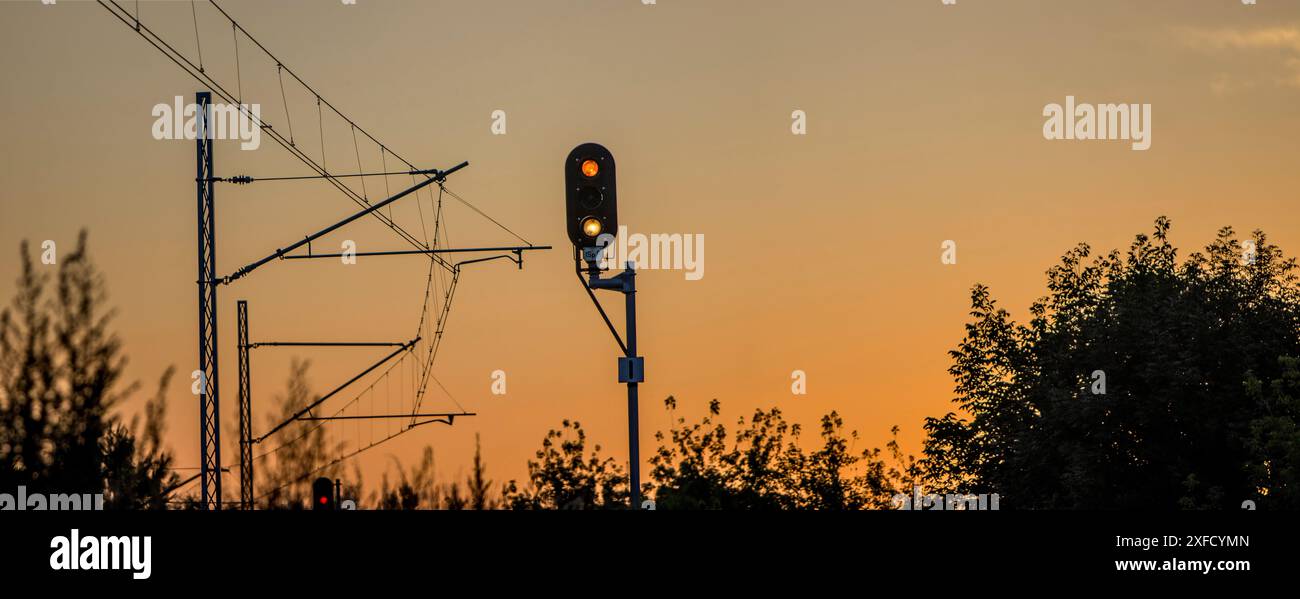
[322, 494]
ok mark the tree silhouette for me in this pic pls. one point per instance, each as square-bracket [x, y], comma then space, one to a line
[765, 467]
[699, 467]
[60, 379]
[1274, 438]
[1138, 382]
[565, 476]
[137, 468]
[414, 491]
[477, 484]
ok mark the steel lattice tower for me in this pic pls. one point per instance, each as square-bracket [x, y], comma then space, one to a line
[245, 413]
[209, 428]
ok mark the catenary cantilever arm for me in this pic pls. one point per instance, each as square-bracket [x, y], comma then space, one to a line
[321, 399]
[438, 178]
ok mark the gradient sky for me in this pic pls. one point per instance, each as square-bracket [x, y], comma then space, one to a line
[822, 251]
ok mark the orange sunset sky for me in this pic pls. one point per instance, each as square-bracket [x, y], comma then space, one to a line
[822, 252]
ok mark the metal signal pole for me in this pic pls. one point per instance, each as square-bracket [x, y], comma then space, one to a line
[629, 371]
[631, 367]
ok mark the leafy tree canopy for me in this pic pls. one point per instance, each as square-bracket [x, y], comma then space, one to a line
[1137, 382]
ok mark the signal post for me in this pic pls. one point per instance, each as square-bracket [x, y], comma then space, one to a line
[591, 209]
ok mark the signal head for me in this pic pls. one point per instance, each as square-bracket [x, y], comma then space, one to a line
[591, 194]
[322, 494]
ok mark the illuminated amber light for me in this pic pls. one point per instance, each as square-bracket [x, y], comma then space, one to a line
[591, 226]
[590, 168]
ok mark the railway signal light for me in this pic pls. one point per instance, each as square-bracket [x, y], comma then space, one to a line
[322, 494]
[591, 196]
